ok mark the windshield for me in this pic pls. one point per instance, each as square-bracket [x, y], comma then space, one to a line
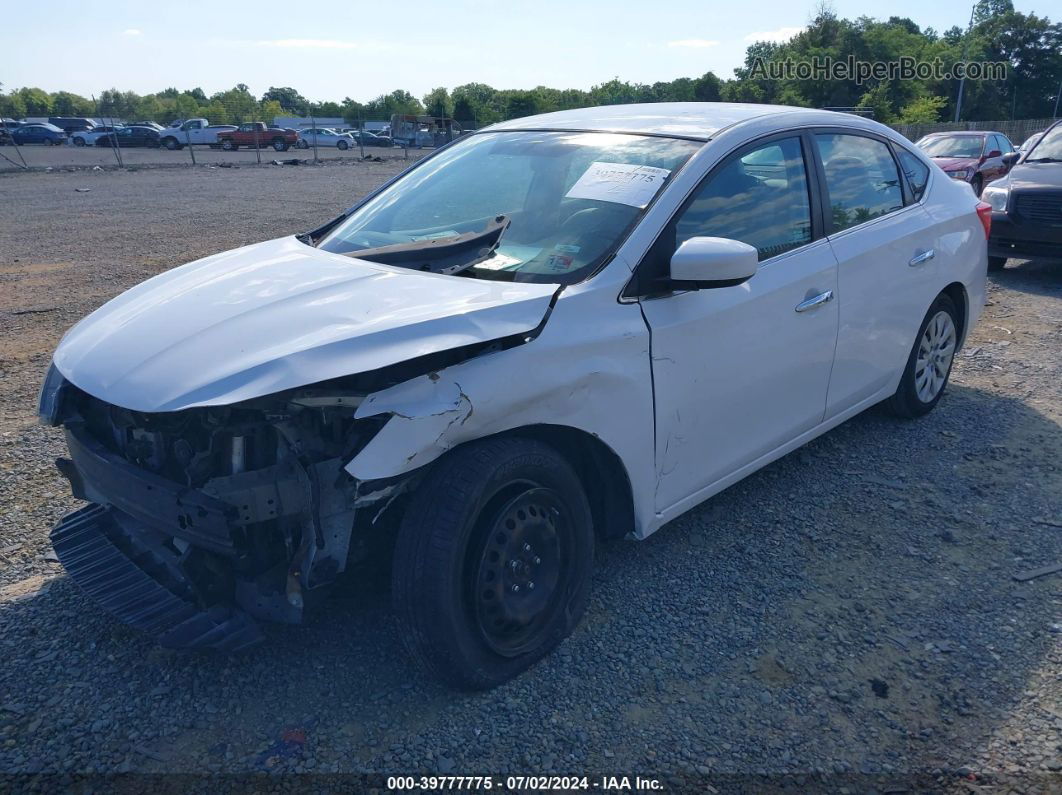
[953, 146]
[1048, 148]
[566, 199]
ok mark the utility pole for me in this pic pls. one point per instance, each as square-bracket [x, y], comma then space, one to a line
[965, 52]
[1054, 114]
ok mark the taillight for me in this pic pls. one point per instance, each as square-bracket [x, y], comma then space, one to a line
[984, 212]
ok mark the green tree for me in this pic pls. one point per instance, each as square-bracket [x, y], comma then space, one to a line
[66, 104]
[924, 110]
[437, 102]
[35, 101]
[289, 99]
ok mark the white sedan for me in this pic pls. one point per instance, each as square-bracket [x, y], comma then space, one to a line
[90, 137]
[323, 136]
[559, 329]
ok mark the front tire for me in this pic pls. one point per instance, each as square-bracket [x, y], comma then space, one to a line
[302, 144]
[171, 143]
[342, 145]
[928, 367]
[280, 145]
[229, 145]
[492, 562]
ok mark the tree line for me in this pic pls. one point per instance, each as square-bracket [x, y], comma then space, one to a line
[1030, 45]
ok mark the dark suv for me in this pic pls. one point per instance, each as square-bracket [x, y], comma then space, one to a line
[1027, 204]
[72, 124]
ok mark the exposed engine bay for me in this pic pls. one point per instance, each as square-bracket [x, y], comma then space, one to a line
[241, 512]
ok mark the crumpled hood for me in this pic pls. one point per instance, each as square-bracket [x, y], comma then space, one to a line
[278, 315]
[955, 163]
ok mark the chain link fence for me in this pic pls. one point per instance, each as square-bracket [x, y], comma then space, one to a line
[1017, 131]
[243, 130]
[216, 133]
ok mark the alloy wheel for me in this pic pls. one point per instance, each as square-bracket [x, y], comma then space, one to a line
[935, 353]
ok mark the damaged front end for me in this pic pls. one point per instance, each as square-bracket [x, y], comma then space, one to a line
[205, 519]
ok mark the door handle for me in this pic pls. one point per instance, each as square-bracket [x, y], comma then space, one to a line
[925, 256]
[818, 300]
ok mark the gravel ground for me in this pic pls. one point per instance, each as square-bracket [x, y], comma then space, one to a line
[848, 612]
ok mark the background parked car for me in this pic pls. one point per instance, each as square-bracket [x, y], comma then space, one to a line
[324, 136]
[89, 137]
[192, 131]
[72, 124]
[1030, 142]
[1027, 204]
[258, 134]
[369, 139]
[38, 134]
[152, 124]
[130, 136]
[974, 157]
[6, 126]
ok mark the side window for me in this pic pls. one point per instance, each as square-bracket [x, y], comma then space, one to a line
[1006, 145]
[759, 198]
[861, 178]
[916, 171]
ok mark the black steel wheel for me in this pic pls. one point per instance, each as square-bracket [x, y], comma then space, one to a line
[492, 562]
[524, 554]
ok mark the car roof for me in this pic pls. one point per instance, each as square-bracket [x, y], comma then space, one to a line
[697, 120]
[955, 133]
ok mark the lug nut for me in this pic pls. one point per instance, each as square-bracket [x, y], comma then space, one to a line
[530, 586]
[527, 547]
[516, 589]
[537, 560]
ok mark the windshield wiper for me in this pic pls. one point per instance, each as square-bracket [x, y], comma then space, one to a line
[448, 255]
[1044, 160]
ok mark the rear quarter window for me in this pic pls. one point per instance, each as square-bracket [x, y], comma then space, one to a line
[916, 171]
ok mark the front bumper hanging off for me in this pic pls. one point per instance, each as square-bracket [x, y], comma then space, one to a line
[84, 543]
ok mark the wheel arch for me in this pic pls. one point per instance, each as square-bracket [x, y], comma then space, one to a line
[956, 291]
[601, 472]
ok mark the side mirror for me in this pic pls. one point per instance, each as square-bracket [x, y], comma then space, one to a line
[1010, 158]
[705, 262]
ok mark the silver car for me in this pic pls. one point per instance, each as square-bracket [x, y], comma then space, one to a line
[324, 136]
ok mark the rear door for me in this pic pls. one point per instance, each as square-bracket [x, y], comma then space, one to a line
[739, 371]
[888, 257]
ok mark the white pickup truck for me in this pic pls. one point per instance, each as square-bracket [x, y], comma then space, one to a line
[192, 131]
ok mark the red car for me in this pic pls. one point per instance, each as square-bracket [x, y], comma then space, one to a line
[974, 157]
[258, 134]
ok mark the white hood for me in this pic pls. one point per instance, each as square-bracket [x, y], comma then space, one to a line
[278, 315]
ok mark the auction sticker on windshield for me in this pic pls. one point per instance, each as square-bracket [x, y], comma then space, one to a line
[623, 183]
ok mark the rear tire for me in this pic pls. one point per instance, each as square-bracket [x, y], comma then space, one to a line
[996, 264]
[280, 145]
[928, 367]
[229, 145]
[79, 142]
[343, 145]
[302, 144]
[492, 562]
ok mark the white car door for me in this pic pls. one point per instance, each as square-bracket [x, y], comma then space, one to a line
[740, 371]
[888, 261]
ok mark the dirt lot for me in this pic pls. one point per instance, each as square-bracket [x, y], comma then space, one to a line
[849, 612]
